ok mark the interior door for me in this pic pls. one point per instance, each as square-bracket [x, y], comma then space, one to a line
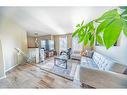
[1, 62]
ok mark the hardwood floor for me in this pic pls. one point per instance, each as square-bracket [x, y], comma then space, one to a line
[30, 76]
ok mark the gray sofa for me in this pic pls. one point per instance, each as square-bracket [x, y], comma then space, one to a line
[99, 71]
[75, 55]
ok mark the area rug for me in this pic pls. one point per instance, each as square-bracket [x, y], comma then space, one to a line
[68, 73]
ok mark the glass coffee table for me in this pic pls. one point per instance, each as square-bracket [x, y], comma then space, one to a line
[61, 61]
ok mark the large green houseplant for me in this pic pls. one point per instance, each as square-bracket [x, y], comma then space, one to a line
[105, 30]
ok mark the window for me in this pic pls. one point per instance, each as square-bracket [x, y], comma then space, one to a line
[51, 44]
[43, 44]
[75, 45]
[63, 43]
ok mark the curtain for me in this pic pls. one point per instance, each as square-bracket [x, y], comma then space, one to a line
[63, 43]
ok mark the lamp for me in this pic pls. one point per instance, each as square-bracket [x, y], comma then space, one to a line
[84, 53]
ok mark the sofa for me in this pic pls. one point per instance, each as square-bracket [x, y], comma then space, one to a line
[99, 71]
[76, 55]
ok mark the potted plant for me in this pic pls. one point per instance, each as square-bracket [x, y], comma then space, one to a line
[105, 29]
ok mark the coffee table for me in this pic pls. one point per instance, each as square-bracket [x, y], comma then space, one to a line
[61, 61]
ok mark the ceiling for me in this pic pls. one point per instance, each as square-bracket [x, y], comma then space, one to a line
[51, 20]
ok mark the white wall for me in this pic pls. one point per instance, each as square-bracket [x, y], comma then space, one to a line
[1, 62]
[118, 53]
[12, 36]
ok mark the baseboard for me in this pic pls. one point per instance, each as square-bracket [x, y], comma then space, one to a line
[7, 71]
[11, 68]
[3, 77]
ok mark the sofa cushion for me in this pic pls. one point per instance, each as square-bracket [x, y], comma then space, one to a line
[76, 52]
[88, 62]
[96, 57]
[91, 72]
[118, 68]
[89, 54]
[103, 62]
[125, 72]
[76, 55]
[107, 64]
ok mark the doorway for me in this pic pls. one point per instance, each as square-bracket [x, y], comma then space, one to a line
[1, 62]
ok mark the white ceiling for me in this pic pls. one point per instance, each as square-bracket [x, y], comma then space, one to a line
[52, 20]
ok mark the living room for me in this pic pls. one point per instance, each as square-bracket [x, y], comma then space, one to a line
[39, 49]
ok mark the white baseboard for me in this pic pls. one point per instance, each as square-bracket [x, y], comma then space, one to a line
[8, 70]
[3, 77]
[11, 68]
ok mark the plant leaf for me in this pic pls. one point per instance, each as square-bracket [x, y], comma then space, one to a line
[74, 33]
[81, 39]
[124, 13]
[91, 26]
[82, 23]
[112, 32]
[92, 41]
[123, 7]
[80, 32]
[124, 17]
[78, 25]
[86, 39]
[103, 25]
[99, 39]
[108, 15]
[125, 28]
